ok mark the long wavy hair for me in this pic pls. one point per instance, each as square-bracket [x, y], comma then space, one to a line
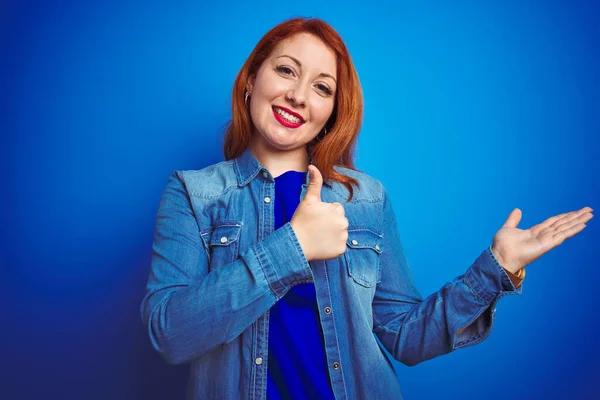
[336, 148]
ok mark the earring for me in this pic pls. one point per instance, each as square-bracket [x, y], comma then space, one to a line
[321, 135]
[246, 98]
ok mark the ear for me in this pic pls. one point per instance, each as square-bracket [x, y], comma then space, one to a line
[250, 84]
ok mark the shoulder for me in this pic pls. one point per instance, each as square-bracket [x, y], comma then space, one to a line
[370, 189]
[209, 182]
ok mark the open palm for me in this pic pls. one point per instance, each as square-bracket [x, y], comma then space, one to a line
[515, 248]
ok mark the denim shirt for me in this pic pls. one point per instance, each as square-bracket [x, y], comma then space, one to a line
[218, 266]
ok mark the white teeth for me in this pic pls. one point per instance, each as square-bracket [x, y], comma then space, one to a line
[287, 116]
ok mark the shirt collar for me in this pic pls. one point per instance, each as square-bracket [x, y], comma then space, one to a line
[246, 167]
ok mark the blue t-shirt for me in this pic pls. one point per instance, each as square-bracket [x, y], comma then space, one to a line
[297, 367]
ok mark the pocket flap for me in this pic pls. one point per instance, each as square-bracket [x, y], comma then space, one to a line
[225, 234]
[365, 239]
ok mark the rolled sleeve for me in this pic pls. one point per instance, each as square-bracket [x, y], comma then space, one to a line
[283, 261]
[488, 279]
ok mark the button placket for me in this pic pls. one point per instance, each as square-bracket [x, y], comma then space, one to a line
[328, 325]
[260, 327]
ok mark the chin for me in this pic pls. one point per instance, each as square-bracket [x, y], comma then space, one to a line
[285, 146]
[284, 141]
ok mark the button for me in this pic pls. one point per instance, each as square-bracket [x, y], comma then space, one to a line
[354, 242]
[224, 239]
[377, 247]
[336, 365]
[258, 360]
[265, 174]
[267, 199]
[327, 310]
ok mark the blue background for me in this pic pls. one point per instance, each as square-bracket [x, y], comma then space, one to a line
[471, 109]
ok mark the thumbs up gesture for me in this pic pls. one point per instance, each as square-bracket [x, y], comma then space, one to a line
[321, 228]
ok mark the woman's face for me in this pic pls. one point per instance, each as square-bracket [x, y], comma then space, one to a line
[293, 93]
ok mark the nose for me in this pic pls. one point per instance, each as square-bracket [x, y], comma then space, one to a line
[297, 95]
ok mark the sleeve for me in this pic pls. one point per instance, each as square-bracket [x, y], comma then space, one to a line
[460, 314]
[189, 311]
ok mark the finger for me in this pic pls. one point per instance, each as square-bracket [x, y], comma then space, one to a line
[561, 236]
[344, 236]
[513, 219]
[313, 192]
[556, 234]
[557, 219]
[560, 221]
[574, 220]
[540, 227]
[568, 218]
[338, 208]
[582, 219]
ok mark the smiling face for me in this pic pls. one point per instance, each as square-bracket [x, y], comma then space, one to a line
[292, 95]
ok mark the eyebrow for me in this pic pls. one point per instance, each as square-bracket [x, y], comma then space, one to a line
[323, 74]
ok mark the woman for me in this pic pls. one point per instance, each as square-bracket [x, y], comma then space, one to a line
[272, 283]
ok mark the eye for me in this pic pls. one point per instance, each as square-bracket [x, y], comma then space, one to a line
[324, 89]
[285, 70]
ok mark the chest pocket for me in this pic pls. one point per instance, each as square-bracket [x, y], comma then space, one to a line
[362, 256]
[222, 242]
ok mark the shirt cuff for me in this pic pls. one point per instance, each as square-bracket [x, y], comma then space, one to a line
[487, 279]
[282, 260]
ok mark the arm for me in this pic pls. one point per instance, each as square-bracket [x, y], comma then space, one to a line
[188, 311]
[460, 314]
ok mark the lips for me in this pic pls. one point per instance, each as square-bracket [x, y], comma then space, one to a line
[284, 119]
[290, 112]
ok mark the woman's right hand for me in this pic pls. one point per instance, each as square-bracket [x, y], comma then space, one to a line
[321, 228]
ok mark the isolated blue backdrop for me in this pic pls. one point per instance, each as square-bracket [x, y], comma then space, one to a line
[483, 107]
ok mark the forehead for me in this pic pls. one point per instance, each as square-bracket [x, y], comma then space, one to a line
[309, 50]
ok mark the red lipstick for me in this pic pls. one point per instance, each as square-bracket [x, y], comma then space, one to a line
[285, 122]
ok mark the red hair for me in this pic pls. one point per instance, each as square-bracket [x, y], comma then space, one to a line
[337, 147]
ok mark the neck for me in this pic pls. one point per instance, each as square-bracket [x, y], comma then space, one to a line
[280, 161]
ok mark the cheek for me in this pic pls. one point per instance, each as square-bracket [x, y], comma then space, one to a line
[322, 110]
[263, 99]
[269, 86]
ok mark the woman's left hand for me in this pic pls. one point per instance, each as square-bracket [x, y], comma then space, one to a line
[515, 248]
